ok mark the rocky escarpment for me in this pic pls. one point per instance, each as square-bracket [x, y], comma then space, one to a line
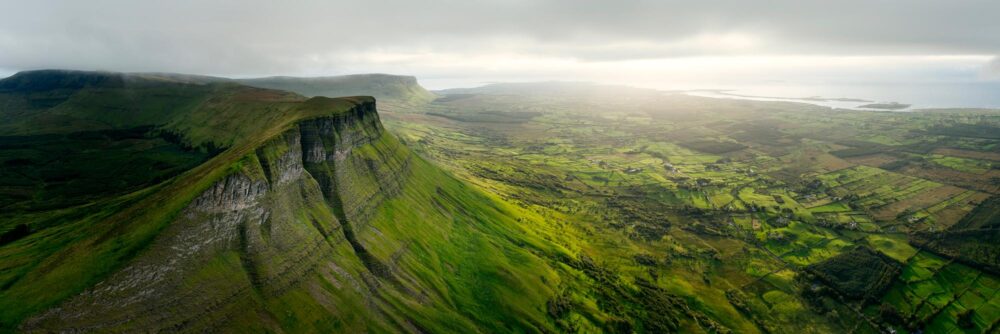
[355, 184]
[282, 220]
[308, 217]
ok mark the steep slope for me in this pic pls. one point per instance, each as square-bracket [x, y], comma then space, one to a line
[381, 86]
[311, 218]
[287, 214]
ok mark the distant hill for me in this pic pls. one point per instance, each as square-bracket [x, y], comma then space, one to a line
[886, 106]
[57, 101]
[381, 86]
[49, 80]
[550, 88]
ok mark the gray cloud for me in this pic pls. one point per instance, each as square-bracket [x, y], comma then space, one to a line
[258, 37]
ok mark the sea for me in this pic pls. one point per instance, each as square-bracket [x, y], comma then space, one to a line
[913, 96]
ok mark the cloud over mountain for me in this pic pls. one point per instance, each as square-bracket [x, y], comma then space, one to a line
[245, 38]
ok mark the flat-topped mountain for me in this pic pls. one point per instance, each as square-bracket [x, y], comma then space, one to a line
[215, 206]
[381, 86]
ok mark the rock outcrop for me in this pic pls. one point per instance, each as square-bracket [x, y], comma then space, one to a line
[284, 217]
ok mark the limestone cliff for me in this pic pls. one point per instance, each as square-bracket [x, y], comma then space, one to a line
[286, 215]
[301, 215]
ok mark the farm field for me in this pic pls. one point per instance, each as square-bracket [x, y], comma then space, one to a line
[523, 167]
[572, 207]
[747, 207]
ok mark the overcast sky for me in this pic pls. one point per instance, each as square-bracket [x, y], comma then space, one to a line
[666, 44]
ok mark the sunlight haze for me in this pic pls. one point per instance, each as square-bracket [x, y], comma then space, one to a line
[823, 46]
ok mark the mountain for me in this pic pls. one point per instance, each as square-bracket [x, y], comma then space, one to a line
[257, 210]
[166, 202]
[380, 86]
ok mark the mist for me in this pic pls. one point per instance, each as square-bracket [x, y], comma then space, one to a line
[662, 44]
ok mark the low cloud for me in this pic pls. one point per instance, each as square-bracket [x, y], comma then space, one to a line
[991, 71]
[478, 38]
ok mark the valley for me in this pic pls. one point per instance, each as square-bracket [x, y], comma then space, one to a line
[480, 167]
[749, 208]
[131, 200]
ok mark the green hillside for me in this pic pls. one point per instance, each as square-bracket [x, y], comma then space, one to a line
[260, 210]
[165, 202]
[358, 245]
[766, 217]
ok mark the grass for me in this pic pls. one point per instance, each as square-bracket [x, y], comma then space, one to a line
[586, 150]
[894, 246]
[831, 207]
[962, 164]
[529, 212]
[933, 293]
[72, 254]
[58, 171]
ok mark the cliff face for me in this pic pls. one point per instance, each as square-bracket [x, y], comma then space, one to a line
[307, 216]
[355, 171]
[284, 220]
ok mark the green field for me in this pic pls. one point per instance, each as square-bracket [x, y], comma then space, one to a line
[504, 208]
[649, 176]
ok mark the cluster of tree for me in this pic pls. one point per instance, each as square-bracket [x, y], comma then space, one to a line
[643, 307]
[977, 130]
[977, 248]
[648, 219]
[859, 274]
[713, 147]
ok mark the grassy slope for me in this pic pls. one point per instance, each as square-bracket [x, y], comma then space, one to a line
[550, 163]
[466, 252]
[464, 260]
[53, 264]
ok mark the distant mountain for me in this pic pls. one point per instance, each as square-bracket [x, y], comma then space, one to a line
[550, 88]
[56, 101]
[380, 86]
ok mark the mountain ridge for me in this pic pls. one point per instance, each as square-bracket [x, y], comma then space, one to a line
[310, 212]
[284, 213]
